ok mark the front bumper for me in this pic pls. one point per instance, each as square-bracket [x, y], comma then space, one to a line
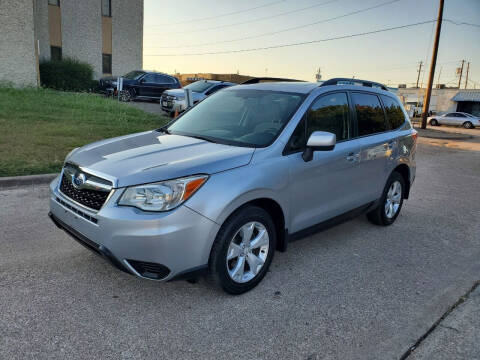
[169, 105]
[166, 245]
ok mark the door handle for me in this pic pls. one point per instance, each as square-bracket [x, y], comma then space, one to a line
[353, 157]
[389, 145]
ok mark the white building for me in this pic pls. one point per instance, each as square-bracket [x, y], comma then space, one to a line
[442, 100]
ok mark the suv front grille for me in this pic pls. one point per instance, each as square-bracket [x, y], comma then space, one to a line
[92, 199]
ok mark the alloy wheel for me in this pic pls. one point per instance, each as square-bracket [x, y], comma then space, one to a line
[125, 96]
[393, 199]
[247, 252]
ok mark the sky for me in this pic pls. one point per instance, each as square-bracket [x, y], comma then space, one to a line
[174, 30]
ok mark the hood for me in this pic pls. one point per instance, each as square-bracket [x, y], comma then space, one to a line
[175, 92]
[153, 156]
[181, 94]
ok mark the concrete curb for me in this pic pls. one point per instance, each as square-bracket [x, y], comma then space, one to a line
[437, 134]
[16, 181]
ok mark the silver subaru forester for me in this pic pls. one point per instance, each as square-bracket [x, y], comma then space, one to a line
[238, 176]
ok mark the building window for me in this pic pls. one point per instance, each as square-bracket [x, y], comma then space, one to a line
[107, 8]
[107, 63]
[54, 2]
[55, 53]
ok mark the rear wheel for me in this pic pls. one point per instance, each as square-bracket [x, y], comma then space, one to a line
[434, 122]
[243, 250]
[467, 125]
[390, 203]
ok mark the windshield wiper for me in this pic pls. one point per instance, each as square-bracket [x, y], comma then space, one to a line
[164, 130]
[206, 138]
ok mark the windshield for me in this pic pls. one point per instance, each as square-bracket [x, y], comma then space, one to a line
[198, 86]
[251, 118]
[133, 75]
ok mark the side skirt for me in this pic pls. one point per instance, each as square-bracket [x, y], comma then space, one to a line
[327, 224]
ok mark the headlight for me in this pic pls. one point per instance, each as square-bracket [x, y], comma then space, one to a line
[162, 196]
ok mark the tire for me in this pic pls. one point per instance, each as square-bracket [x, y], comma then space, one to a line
[230, 243]
[434, 122]
[382, 214]
[126, 95]
[467, 125]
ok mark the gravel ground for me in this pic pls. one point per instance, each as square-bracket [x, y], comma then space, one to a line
[148, 106]
[356, 291]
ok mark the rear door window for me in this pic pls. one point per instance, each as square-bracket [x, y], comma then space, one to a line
[395, 116]
[149, 78]
[370, 115]
[163, 79]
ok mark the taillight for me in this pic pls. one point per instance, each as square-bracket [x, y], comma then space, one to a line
[415, 135]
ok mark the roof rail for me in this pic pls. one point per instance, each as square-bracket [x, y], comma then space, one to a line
[347, 81]
[257, 80]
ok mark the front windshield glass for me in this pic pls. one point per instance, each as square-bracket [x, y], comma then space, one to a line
[133, 75]
[244, 117]
[198, 86]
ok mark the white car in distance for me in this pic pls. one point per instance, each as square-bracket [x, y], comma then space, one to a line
[465, 120]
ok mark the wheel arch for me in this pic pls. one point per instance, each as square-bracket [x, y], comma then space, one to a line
[404, 170]
[274, 209]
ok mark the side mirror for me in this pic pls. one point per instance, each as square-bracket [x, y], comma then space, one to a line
[319, 141]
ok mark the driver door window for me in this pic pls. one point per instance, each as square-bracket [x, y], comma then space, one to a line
[330, 113]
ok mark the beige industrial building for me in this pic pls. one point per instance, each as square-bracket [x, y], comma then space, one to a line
[186, 79]
[442, 100]
[108, 34]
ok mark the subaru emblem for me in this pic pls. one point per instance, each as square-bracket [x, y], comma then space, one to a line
[78, 180]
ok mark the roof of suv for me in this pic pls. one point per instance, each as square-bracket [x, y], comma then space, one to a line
[218, 82]
[297, 87]
[307, 87]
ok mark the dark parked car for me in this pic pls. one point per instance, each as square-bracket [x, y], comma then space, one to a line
[140, 85]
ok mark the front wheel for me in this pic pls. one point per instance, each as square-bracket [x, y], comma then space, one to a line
[468, 125]
[434, 122]
[390, 203]
[126, 95]
[243, 250]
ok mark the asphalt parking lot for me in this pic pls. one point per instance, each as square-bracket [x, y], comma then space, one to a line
[355, 291]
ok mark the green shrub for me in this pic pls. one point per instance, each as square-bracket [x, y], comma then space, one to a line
[66, 74]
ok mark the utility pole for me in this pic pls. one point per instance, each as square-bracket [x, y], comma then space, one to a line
[439, 73]
[419, 71]
[461, 72]
[466, 78]
[426, 102]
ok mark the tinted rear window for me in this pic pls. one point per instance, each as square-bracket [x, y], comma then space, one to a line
[369, 112]
[395, 116]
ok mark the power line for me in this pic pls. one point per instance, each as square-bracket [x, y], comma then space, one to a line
[461, 23]
[220, 15]
[288, 29]
[298, 43]
[252, 20]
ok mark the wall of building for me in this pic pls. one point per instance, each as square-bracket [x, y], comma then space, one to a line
[18, 63]
[440, 101]
[82, 32]
[127, 36]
